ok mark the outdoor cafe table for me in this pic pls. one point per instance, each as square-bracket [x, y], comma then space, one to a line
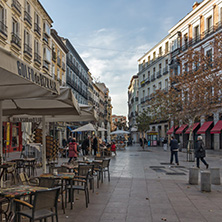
[18, 191]
[63, 177]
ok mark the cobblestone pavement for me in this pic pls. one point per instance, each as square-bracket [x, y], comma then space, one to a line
[145, 187]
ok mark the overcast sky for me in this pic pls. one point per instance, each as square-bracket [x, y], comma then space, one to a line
[111, 35]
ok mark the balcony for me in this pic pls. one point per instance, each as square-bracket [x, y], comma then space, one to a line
[16, 6]
[3, 30]
[16, 41]
[63, 66]
[165, 70]
[28, 18]
[58, 61]
[27, 51]
[142, 83]
[37, 59]
[45, 65]
[45, 38]
[153, 78]
[53, 56]
[37, 29]
[158, 74]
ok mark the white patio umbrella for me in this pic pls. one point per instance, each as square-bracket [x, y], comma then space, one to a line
[118, 132]
[63, 104]
[19, 80]
[100, 129]
[85, 128]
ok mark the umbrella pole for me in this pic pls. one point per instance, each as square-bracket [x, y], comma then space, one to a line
[1, 145]
[44, 145]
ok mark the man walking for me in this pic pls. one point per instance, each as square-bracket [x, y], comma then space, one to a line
[174, 148]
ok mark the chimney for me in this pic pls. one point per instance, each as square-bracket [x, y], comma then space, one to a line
[195, 4]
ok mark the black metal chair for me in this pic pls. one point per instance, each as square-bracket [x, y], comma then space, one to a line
[44, 205]
[105, 168]
[80, 182]
[46, 182]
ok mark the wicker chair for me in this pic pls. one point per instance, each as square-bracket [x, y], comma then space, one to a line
[40, 209]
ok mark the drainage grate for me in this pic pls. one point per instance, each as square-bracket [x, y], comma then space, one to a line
[176, 174]
[156, 167]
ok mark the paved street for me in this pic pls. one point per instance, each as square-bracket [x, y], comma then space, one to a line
[141, 189]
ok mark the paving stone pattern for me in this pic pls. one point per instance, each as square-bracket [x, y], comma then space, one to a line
[143, 189]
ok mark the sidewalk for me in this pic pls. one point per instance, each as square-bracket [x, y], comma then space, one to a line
[145, 188]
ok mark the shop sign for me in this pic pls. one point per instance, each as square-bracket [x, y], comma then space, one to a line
[26, 119]
[36, 77]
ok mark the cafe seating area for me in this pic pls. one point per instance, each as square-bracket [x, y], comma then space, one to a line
[23, 186]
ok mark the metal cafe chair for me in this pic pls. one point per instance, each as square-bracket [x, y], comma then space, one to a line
[44, 205]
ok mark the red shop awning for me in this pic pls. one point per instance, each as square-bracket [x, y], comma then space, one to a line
[204, 127]
[217, 128]
[195, 125]
[181, 129]
[170, 131]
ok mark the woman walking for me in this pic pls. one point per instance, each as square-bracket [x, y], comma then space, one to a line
[73, 153]
[200, 152]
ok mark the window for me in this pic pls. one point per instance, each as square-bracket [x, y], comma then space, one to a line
[46, 28]
[58, 74]
[37, 18]
[47, 54]
[53, 71]
[160, 51]
[28, 7]
[143, 93]
[209, 24]
[160, 66]
[148, 74]
[148, 59]
[2, 16]
[154, 88]
[154, 55]
[154, 70]
[185, 39]
[166, 47]
[143, 76]
[160, 85]
[166, 83]
[144, 63]
[196, 32]
[148, 92]
[209, 56]
[27, 38]
[15, 27]
[36, 46]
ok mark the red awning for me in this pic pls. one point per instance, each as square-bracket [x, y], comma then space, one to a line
[217, 128]
[204, 127]
[195, 125]
[170, 131]
[181, 129]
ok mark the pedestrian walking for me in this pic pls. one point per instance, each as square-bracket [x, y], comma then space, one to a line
[113, 148]
[174, 148]
[73, 153]
[165, 144]
[95, 145]
[85, 146]
[200, 152]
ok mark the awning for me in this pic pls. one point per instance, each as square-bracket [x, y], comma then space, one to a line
[195, 125]
[217, 128]
[170, 131]
[181, 129]
[204, 127]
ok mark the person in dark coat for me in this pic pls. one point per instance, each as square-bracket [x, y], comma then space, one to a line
[174, 148]
[200, 152]
[85, 146]
[95, 145]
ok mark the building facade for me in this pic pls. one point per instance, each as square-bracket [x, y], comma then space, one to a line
[154, 74]
[25, 33]
[59, 51]
[133, 101]
[76, 73]
[197, 30]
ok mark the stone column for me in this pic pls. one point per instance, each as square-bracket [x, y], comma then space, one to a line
[216, 135]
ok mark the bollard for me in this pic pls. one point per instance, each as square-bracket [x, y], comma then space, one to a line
[215, 176]
[205, 181]
[193, 176]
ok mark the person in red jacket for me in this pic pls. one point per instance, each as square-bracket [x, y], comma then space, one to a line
[113, 148]
[73, 153]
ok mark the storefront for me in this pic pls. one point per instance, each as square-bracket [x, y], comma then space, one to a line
[152, 138]
[12, 137]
